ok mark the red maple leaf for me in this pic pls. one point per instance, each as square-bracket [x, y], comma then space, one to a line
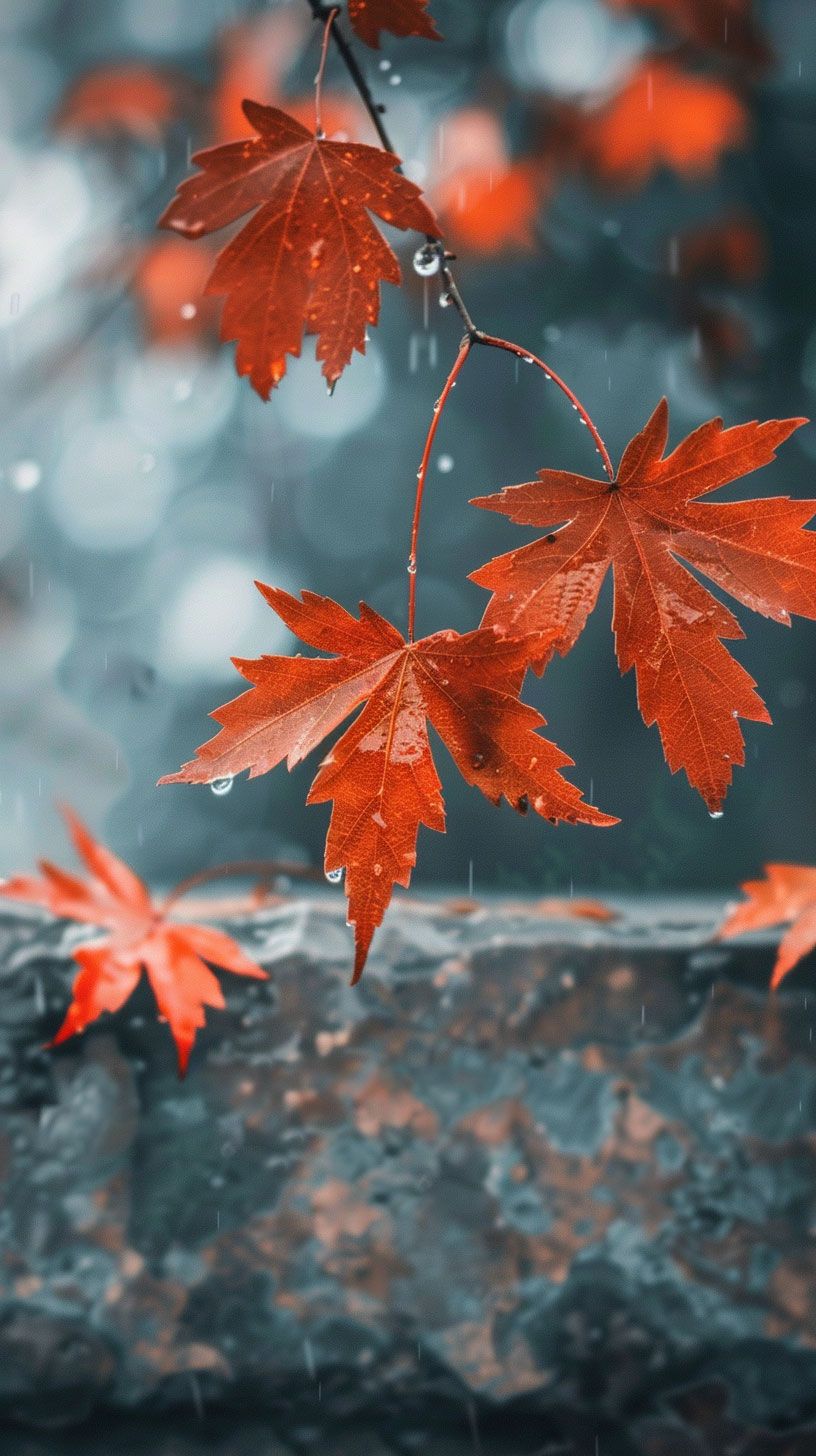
[310, 257]
[667, 626]
[400, 17]
[140, 937]
[380, 774]
[788, 893]
[136, 99]
[663, 116]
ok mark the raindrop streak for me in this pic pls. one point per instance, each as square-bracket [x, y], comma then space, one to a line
[334, 876]
[445, 464]
[222, 786]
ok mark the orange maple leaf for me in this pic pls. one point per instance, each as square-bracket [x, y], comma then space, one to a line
[310, 258]
[663, 116]
[380, 774]
[139, 937]
[788, 893]
[400, 17]
[667, 626]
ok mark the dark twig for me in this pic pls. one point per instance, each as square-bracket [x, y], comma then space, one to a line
[435, 248]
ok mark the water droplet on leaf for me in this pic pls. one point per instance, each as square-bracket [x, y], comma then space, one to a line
[334, 876]
[223, 785]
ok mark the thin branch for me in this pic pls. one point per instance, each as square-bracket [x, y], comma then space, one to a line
[321, 71]
[321, 12]
[464, 349]
[437, 246]
[493, 343]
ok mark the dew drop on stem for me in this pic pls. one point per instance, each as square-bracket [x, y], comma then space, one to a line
[426, 261]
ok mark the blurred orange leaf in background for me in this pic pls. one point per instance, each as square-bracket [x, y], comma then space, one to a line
[132, 99]
[169, 284]
[731, 248]
[487, 203]
[718, 25]
[664, 116]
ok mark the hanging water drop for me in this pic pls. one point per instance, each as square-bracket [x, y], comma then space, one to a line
[223, 785]
[334, 876]
[426, 260]
[715, 813]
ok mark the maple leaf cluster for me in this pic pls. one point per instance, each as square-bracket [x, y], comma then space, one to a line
[311, 259]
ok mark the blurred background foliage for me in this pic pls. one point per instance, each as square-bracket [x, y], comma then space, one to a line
[629, 186]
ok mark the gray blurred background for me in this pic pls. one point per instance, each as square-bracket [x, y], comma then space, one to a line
[144, 485]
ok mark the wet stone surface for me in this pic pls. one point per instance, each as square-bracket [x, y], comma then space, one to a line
[533, 1185]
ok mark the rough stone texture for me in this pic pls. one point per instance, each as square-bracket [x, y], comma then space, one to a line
[531, 1185]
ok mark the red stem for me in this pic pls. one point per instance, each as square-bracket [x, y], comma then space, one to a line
[464, 349]
[525, 354]
[324, 51]
[267, 868]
